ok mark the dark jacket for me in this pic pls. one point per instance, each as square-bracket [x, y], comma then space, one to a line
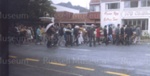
[91, 32]
[61, 31]
[110, 31]
[122, 31]
[76, 32]
[105, 32]
[117, 31]
[128, 31]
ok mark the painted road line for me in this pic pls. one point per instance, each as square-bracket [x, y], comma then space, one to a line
[55, 63]
[12, 56]
[58, 71]
[30, 59]
[115, 73]
[84, 68]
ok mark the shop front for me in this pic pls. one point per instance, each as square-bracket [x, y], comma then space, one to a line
[137, 18]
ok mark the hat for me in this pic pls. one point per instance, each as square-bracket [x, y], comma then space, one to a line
[76, 26]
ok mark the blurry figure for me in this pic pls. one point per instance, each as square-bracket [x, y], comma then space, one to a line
[110, 33]
[98, 34]
[76, 35]
[61, 35]
[105, 35]
[80, 36]
[43, 34]
[122, 34]
[29, 35]
[68, 33]
[91, 35]
[38, 35]
[138, 35]
[128, 34]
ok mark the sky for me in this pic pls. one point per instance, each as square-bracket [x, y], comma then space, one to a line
[83, 3]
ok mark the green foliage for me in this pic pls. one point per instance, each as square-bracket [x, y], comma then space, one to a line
[33, 8]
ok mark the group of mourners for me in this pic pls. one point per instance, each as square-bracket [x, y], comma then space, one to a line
[93, 35]
[69, 35]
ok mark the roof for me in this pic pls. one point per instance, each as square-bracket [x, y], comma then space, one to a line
[79, 18]
[94, 15]
[94, 1]
[63, 15]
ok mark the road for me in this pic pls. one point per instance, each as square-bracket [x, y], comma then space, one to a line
[111, 60]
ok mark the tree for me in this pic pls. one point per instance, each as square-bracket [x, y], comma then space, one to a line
[33, 8]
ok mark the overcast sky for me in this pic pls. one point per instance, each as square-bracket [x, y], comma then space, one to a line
[83, 3]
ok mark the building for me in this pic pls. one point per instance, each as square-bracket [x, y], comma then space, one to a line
[95, 6]
[94, 13]
[65, 15]
[126, 12]
[74, 18]
[62, 8]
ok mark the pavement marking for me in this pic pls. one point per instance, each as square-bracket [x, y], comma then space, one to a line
[58, 64]
[12, 56]
[63, 72]
[30, 59]
[115, 73]
[84, 68]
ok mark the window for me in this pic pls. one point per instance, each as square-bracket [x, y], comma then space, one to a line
[127, 4]
[148, 2]
[145, 3]
[94, 8]
[143, 23]
[134, 3]
[131, 4]
[113, 6]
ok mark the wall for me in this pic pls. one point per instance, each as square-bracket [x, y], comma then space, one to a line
[115, 16]
[110, 16]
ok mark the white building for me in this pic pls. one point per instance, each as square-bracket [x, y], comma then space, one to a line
[94, 6]
[62, 9]
[126, 12]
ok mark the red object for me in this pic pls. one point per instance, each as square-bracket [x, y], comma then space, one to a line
[98, 33]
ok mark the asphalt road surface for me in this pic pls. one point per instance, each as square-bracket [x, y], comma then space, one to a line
[111, 60]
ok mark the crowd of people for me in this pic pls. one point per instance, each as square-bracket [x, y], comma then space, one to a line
[69, 35]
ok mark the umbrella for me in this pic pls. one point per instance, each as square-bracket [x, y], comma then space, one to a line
[47, 19]
[48, 26]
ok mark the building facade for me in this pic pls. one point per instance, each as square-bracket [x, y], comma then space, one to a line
[94, 13]
[126, 12]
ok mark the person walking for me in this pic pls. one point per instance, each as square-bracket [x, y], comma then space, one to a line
[61, 35]
[122, 34]
[76, 35]
[91, 35]
[98, 34]
[80, 37]
[118, 35]
[128, 34]
[68, 33]
[110, 33]
[138, 35]
[38, 35]
[105, 35]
